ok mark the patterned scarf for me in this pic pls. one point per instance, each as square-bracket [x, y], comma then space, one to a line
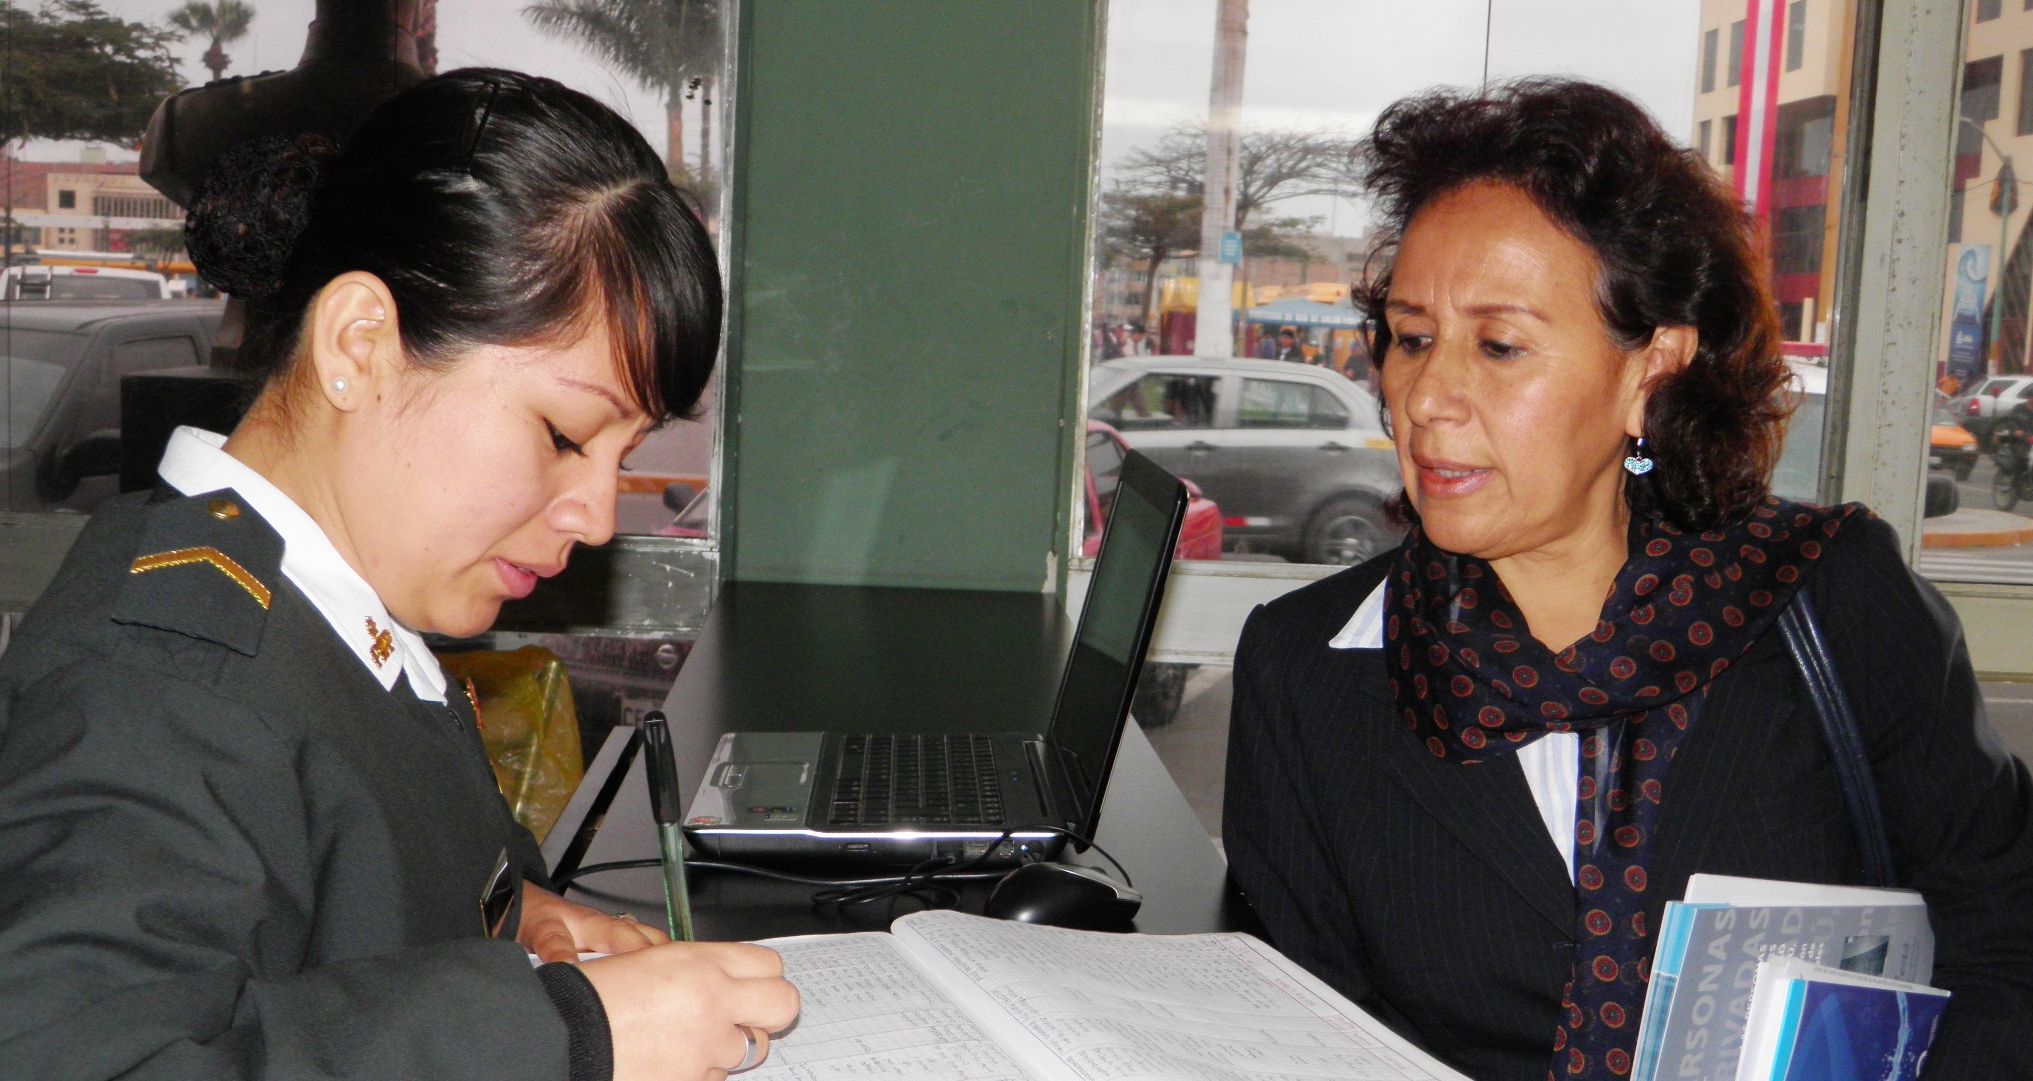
[1472, 682]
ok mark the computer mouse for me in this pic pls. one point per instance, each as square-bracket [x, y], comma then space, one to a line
[1063, 895]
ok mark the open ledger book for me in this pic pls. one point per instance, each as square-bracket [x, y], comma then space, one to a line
[952, 997]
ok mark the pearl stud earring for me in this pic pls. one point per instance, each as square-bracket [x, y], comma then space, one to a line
[339, 385]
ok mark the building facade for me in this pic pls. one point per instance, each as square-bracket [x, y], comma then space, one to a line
[83, 206]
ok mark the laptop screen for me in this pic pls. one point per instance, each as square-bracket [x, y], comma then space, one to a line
[1115, 627]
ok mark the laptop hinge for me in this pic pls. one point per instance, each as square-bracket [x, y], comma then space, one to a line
[1054, 794]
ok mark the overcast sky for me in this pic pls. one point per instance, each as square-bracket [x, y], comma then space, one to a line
[1334, 64]
[1312, 64]
[470, 32]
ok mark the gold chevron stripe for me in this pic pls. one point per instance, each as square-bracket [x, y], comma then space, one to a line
[220, 561]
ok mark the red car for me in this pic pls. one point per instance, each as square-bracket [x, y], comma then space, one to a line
[1199, 536]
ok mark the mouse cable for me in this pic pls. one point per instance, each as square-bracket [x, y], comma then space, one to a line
[925, 881]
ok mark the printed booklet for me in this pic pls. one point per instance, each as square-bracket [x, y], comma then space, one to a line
[1810, 1022]
[1706, 962]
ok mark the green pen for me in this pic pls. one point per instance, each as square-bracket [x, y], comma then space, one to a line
[663, 802]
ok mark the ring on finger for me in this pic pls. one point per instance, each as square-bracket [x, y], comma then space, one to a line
[753, 1054]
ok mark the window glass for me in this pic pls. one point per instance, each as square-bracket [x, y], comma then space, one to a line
[1104, 471]
[29, 386]
[1184, 710]
[1736, 52]
[1796, 35]
[1980, 524]
[1279, 403]
[1296, 243]
[1158, 400]
[2025, 126]
[80, 202]
[79, 287]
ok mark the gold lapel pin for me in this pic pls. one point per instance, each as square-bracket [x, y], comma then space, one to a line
[382, 643]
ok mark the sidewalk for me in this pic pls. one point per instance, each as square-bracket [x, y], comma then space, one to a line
[1971, 527]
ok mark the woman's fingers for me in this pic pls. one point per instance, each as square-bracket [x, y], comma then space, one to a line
[601, 933]
[741, 959]
[675, 1011]
[767, 1002]
[549, 939]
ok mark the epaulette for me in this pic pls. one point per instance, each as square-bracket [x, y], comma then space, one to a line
[205, 567]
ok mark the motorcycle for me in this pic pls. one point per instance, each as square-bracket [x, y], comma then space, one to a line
[2014, 479]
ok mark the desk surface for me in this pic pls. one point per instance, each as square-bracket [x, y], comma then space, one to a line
[848, 658]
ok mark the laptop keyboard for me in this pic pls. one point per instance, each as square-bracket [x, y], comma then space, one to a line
[916, 779]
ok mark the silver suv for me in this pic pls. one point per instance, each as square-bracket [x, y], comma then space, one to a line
[1987, 401]
[1295, 455]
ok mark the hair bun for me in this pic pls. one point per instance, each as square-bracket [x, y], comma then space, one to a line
[251, 209]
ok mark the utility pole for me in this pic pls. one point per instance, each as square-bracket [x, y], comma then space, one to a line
[2004, 197]
[1220, 243]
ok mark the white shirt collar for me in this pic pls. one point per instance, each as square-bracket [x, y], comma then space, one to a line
[196, 462]
[1365, 629]
[1551, 763]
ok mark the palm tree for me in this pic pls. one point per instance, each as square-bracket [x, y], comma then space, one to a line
[670, 46]
[224, 21]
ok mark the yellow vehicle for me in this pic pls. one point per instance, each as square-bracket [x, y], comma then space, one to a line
[1949, 444]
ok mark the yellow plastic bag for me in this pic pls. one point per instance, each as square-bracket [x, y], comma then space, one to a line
[528, 725]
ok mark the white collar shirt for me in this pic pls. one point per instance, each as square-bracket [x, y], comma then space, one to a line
[196, 462]
[1552, 763]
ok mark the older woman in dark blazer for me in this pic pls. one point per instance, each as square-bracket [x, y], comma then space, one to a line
[1465, 777]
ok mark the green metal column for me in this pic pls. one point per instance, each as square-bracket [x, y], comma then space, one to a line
[908, 267]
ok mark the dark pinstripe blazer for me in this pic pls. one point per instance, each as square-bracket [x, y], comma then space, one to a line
[1430, 893]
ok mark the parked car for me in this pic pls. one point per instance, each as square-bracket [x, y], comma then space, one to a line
[1295, 454]
[1949, 445]
[1161, 689]
[1988, 400]
[60, 446]
[82, 283]
[1199, 535]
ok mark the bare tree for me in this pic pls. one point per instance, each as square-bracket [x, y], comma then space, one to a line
[1147, 229]
[1274, 166]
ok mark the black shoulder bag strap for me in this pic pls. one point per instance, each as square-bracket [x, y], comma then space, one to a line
[1845, 740]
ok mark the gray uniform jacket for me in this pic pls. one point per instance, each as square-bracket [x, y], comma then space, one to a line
[225, 850]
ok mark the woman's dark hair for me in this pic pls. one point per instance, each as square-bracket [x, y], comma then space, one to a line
[498, 208]
[1675, 247]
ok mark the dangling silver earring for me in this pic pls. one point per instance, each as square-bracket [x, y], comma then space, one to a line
[1638, 463]
[339, 386]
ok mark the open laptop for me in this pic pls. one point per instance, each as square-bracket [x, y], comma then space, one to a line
[893, 799]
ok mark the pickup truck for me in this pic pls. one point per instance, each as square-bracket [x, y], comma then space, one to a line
[61, 363]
